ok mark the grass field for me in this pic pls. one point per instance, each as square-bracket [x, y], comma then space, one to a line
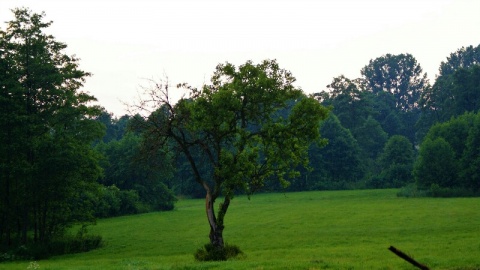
[306, 230]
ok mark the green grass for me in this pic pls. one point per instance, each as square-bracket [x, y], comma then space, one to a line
[306, 230]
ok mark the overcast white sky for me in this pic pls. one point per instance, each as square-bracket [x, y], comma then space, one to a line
[122, 42]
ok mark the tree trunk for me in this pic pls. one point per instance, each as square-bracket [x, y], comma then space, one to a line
[216, 223]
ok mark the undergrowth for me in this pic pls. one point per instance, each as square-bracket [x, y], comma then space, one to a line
[210, 252]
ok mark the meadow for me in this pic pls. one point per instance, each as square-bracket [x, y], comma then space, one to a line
[304, 230]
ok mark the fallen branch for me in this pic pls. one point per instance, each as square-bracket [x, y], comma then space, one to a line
[408, 258]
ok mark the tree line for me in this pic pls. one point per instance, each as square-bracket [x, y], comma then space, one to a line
[378, 125]
[391, 113]
[65, 161]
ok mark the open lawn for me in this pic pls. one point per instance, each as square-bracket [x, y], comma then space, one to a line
[305, 230]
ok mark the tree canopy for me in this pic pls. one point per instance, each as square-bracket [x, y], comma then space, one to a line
[400, 75]
[464, 57]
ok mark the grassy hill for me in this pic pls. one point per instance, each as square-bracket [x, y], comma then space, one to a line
[306, 230]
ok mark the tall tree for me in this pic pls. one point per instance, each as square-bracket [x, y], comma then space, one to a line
[452, 95]
[236, 125]
[46, 132]
[351, 103]
[455, 90]
[462, 58]
[399, 75]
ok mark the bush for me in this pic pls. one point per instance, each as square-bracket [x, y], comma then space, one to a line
[447, 192]
[411, 191]
[211, 253]
[115, 202]
[67, 244]
[158, 196]
[435, 190]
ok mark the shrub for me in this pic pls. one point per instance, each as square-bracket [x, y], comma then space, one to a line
[411, 191]
[67, 244]
[115, 202]
[435, 190]
[211, 253]
[446, 192]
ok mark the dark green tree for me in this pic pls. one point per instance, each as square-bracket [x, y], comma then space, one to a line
[435, 164]
[455, 90]
[455, 132]
[452, 95]
[350, 101]
[467, 90]
[397, 162]
[47, 128]
[449, 148]
[464, 57]
[338, 164]
[371, 138]
[115, 127]
[470, 161]
[125, 168]
[236, 125]
[399, 75]
[397, 83]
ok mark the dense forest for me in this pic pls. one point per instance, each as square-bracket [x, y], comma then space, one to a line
[64, 161]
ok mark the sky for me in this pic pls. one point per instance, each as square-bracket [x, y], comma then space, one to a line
[125, 43]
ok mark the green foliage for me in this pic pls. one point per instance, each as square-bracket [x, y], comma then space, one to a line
[115, 202]
[456, 89]
[400, 75]
[234, 132]
[447, 192]
[463, 58]
[338, 163]
[115, 128]
[210, 252]
[448, 157]
[397, 150]
[470, 161]
[457, 93]
[66, 244]
[435, 164]
[384, 102]
[411, 191]
[371, 138]
[455, 132]
[350, 100]
[46, 161]
[134, 184]
[396, 162]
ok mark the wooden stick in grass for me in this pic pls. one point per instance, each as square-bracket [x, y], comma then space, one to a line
[408, 258]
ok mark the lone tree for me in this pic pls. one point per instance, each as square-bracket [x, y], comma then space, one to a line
[249, 126]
